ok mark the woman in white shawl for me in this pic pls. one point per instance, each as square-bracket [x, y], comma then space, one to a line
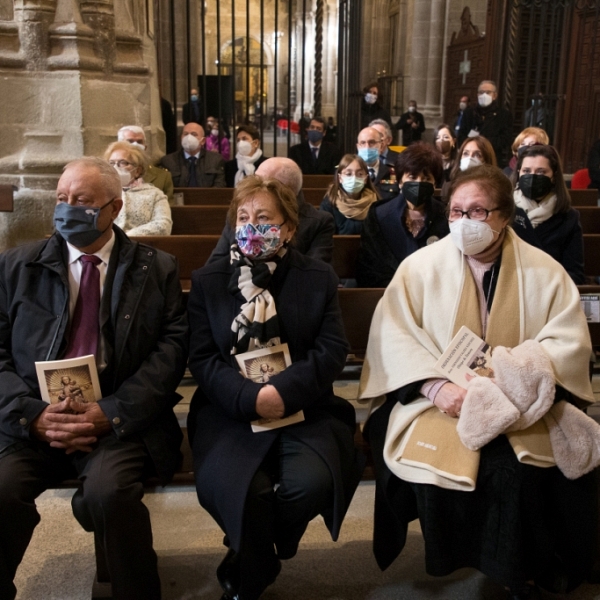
[494, 469]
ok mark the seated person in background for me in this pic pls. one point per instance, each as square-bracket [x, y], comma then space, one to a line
[264, 488]
[315, 230]
[527, 137]
[315, 156]
[89, 272]
[594, 166]
[193, 166]
[479, 151]
[216, 140]
[350, 195]
[480, 502]
[146, 210]
[445, 142]
[394, 229]
[541, 192]
[249, 155]
[386, 182]
[161, 178]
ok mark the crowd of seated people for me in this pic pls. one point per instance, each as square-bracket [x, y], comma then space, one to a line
[264, 339]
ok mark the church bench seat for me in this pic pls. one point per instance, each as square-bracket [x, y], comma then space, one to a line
[584, 197]
[223, 196]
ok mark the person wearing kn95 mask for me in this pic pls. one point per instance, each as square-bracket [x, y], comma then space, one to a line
[146, 209]
[478, 151]
[501, 442]
[489, 119]
[157, 176]
[193, 166]
[249, 156]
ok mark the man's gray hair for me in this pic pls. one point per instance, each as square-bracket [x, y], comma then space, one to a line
[284, 170]
[109, 175]
[383, 123]
[134, 128]
[490, 82]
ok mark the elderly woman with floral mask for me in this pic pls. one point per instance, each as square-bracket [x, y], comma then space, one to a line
[488, 466]
[264, 487]
[146, 209]
[396, 228]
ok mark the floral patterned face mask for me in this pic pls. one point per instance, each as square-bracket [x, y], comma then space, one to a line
[258, 241]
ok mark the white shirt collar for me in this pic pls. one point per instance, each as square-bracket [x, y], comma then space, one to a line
[103, 254]
[188, 156]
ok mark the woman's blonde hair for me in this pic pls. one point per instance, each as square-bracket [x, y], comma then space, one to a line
[134, 155]
[540, 135]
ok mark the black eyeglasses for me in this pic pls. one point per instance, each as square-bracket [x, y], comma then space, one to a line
[477, 213]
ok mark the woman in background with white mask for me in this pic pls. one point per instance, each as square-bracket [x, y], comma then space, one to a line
[216, 141]
[453, 453]
[248, 157]
[146, 209]
[371, 106]
[350, 195]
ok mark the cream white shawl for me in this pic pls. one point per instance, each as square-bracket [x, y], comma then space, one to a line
[415, 319]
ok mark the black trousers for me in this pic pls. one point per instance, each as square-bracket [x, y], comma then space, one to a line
[292, 486]
[109, 503]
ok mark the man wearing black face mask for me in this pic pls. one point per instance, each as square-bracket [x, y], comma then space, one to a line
[315, 156]
[89, 290]
[397, 227]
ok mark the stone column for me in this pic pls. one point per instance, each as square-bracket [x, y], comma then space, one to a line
[68, 82]
[433, 104]
[420, 51]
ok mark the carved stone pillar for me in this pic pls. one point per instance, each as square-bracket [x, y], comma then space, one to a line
[34, 18]
[68, 83]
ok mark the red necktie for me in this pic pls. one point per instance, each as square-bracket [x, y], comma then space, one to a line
[85, 325]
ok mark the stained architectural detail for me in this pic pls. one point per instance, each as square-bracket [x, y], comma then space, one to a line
[69, 79]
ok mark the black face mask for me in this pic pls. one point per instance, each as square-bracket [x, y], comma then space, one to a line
[417, 192]
[535, 187]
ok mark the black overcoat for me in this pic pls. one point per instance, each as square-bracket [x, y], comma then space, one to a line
[226, 451]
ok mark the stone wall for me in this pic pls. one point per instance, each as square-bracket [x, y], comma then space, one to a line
[72, 72]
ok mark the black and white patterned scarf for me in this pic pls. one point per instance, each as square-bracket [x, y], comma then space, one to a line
[256, 326]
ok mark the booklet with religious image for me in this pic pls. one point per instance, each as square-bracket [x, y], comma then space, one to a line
[466, 356]
[72, 378]
[260, 365]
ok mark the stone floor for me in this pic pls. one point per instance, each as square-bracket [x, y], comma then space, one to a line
[59, 563]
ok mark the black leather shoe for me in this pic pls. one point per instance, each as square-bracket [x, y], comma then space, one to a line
[228, 575]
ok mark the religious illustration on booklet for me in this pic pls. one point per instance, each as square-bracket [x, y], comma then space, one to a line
[260, 366]
[72, 378]
[466, 356]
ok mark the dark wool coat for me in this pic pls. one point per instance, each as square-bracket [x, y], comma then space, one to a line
[210, 169]
[226, 452]
[327, 160]
[144, 328]
[231, 169]
[385, 241]
[561, 237]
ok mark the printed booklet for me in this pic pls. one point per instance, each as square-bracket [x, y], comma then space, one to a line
[260, 365]
[466, 357]
[74, 378]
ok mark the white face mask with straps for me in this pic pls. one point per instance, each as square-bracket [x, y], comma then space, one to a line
[471, 237]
